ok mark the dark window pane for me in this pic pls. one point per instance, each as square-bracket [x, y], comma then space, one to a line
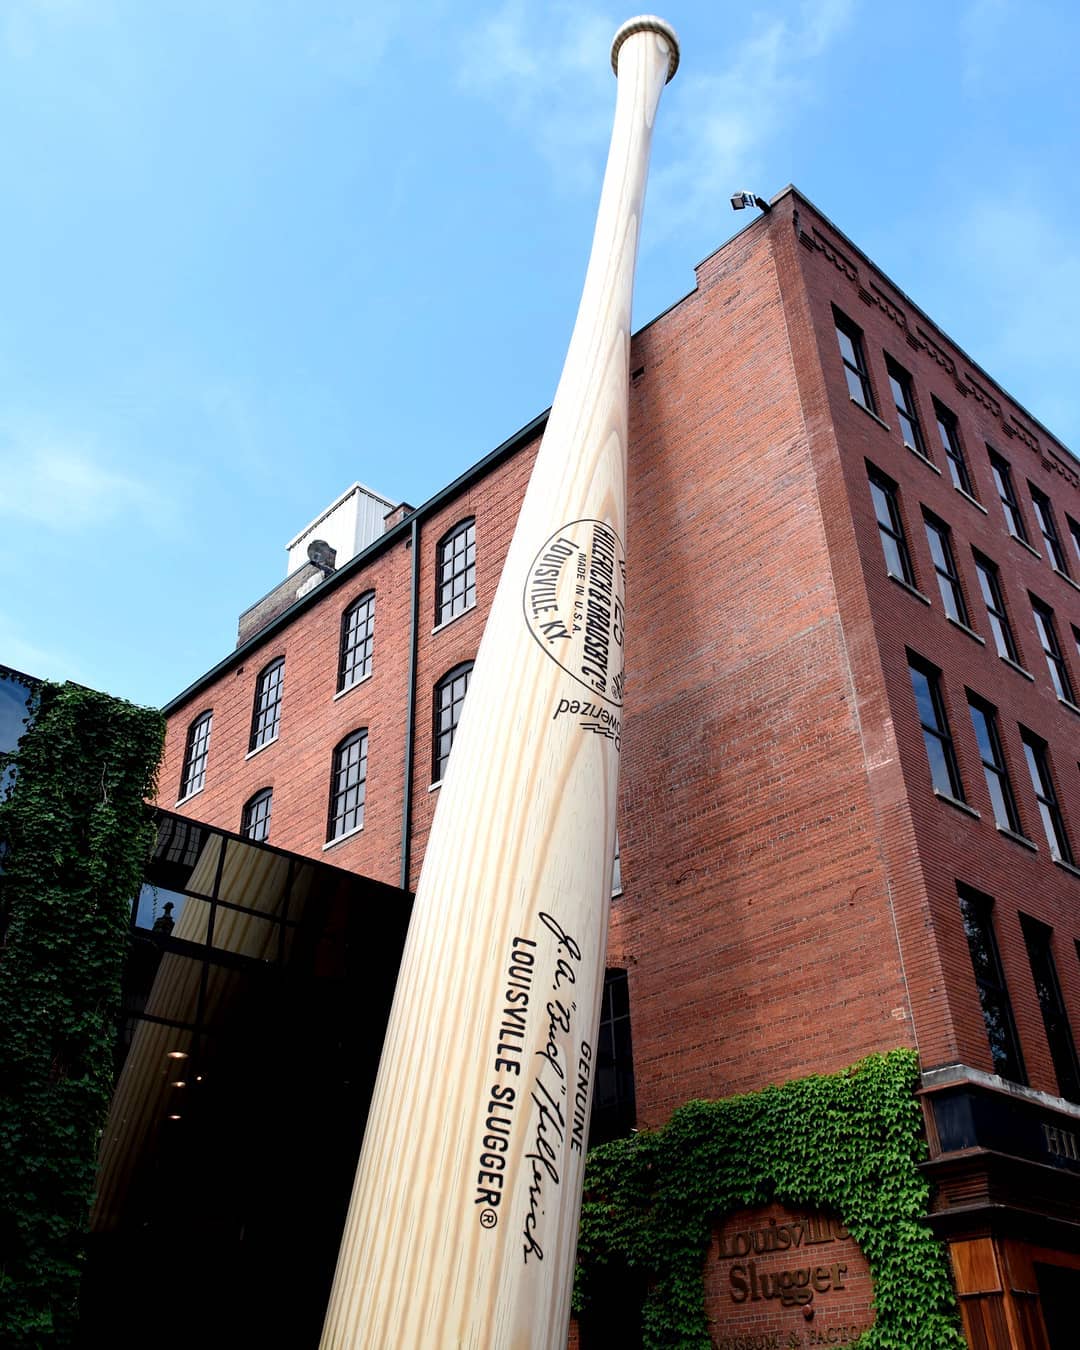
[1037, 938]
[990, 585]
[952, 596]
[455, 582]
[449, 700]
[266, 713]
[975, 910]
[1044, 514]
[854, 361]
[1042, 783]
[984, 721]
[613, 1109]
[1007, 494]
[904, 399]
[1055, 660]
[256, 822]
[949, 434]
[348, 783]
[944, 774]
[890, 527]
[195, 755]
[357, 641]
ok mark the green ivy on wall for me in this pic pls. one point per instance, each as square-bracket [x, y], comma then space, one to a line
[75, 834]
[849, 1143]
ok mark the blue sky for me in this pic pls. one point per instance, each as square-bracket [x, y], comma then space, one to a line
[254, 250]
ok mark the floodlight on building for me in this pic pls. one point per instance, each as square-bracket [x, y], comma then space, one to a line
[741, 200]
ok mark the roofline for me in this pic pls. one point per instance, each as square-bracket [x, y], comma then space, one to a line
[527, 433]
[360, 560]
[792, 191]
[353, 487]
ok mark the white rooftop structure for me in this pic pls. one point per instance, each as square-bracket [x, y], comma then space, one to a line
[348, 525]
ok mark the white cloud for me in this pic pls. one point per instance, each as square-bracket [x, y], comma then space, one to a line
[540, 67]
[25, 25]
[67, 488]
[21, 654]
[721, 123]
[1025, 322]
[981, 24]
[355, 40]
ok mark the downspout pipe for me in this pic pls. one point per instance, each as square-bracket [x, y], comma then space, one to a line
[410, 706]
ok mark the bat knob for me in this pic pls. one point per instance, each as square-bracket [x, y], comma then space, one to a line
[647, 23]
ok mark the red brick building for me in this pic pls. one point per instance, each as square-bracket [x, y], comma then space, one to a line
[850, 801]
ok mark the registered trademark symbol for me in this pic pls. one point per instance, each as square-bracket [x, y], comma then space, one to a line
[488, 1218]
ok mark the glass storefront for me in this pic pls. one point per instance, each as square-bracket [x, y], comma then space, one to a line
[255, 1000]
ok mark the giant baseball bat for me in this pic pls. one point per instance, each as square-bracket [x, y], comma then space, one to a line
[463, 1222]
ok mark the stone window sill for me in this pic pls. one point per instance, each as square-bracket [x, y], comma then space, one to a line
[350, 687]
[1019, 669]
[184, 800]
[965, 629]
[1065, 577]
[1024, 544]
[340, 838]
[907, 586]
[924, 458]
[1067, 866]
[968, 497]
[1021, 839]
[260, 748]
[960, 806]
[870, 413]
[447, 622]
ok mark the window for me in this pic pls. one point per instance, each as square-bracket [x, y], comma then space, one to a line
[195, 754]
[449, 699]
[976, 911]
[984, 720]
[851, 353]
[256, 819]
[455, 581]
[1037, 938]
[1074, 535]
[926, 683]
[903, 397]
[267, 711]
[954, 452]
[616, 874]
[1005, 490]
[357, 641]
[348, 781]
[1044, 514]
[890, 527]
[1038, 762]
[952, 597]
[990, 585]
[614, 1110]
[1055, 660]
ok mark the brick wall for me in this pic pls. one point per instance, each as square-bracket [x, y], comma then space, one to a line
[789, 878]
[931, 844]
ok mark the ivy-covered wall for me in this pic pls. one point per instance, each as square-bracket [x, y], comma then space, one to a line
[75, 834]
[849, 1143]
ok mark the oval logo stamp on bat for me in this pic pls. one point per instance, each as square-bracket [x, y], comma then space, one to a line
[574, 603]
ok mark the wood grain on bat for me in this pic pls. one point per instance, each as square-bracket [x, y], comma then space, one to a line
[463, 1222]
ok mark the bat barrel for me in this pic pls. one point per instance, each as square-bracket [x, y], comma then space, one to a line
[463, 1222]
[647, 23]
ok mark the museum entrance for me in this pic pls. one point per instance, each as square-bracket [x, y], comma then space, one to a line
[255, 1000]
